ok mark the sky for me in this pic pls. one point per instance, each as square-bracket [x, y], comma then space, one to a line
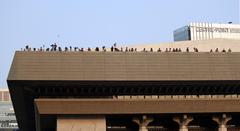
[91, 23]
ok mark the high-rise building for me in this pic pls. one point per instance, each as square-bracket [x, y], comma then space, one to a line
[203, 31]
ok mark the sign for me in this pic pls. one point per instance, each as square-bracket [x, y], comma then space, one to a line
[217, 30]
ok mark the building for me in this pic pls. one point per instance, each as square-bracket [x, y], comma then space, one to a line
[126, 91]
[8, 120]
[204, 31]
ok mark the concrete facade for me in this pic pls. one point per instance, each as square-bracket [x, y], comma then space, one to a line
[81, 123]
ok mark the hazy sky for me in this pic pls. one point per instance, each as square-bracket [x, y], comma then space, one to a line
[90, 23]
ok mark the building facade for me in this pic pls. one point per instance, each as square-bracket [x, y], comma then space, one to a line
[8, 120]
[204, 31]
[126, 91]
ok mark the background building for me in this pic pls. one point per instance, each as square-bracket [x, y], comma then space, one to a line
[203, 31]
[8, 120]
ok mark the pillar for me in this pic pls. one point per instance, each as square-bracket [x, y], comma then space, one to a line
[81, 123]
[222, 121]
[143, 122]
[183, 121]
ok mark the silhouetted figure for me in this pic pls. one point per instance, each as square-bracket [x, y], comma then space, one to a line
[65, 49]
[211, 50]
[159, 50]
[216, 50]
[131, 49]
[70, 48]
[229, 50]
[144, 49]
[196, 50]
[104, 48]
[170, 50]
[97, 49]
[151, 50]
[121, 49]
[54, 47]
[75, 48]
[27, 47]
[59, 49]
[223, 50]
[126, 50]
[179, 50]
[41, 49]
[47, 49]
[187, 50]
[89, 49]
[135, 49]
[116, 49]
[166, 50]
[112, 49]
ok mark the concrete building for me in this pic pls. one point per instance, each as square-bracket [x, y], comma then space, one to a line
[8, 120]
[126, 91]
[204, 31]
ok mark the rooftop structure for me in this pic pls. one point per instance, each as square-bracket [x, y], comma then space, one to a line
[99, 91]
[204, 31]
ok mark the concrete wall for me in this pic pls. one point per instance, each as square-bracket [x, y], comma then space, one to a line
[81, 123]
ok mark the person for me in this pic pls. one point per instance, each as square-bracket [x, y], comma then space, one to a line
[196, 50]
[66, 49]
[135, 49]
[216, 50]
[223, 50]
[131, 49]
[59, 48]
[104, 48]
[187, 50]
[166, 50]
[211, 50]
[51, 47]
[75, 48]
[115, 45]
[151, 49]
[179, 50]
[89, 49]
[55, 47]
[41, 49]
[144, 50]
[27, 47]
[126, 50]
[70, 48]
[229, 50]
[159, 50]
[112, 49]
[97, 49]
[121, 49]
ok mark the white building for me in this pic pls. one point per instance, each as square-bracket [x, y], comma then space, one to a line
[203, 31]
[8, 120]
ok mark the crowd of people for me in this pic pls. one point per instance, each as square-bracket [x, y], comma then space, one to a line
[114, 48]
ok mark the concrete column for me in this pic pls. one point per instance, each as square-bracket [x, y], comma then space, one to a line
[222, 121]
[183, 122]
[81, 123]
[143, 122]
